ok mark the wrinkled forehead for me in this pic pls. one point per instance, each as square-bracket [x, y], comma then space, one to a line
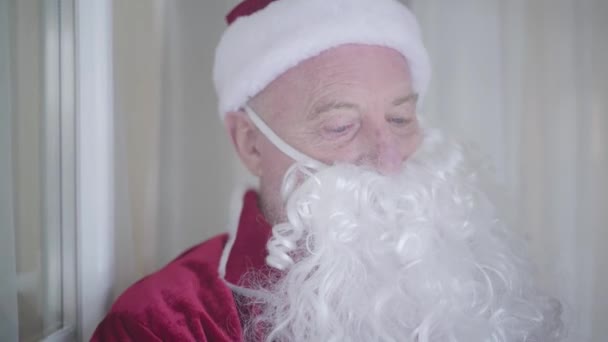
[335, 73]
[348, 61]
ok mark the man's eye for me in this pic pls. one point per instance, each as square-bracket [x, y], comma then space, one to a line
[400, 121]
[339, 129]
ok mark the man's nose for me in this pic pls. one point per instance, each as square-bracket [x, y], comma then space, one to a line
[386, 153]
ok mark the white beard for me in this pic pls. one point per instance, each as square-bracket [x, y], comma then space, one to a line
[419, 256]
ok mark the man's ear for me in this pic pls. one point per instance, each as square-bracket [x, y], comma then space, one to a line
[244, 137]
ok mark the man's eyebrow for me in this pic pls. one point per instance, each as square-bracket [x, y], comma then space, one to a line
[407, 98]
[329, 106]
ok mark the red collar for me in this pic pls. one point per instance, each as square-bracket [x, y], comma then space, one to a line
[249, 249]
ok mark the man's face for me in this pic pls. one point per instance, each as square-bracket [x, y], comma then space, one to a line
[352, 104]
[420, 255]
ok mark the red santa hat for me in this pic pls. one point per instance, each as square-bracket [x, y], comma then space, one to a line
[265, 38]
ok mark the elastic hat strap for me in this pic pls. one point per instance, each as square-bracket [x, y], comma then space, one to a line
[280, 143]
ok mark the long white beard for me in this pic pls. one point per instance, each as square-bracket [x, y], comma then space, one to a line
[418, 257]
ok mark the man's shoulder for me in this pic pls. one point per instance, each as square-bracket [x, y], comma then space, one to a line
[193, 270]
[181, 299]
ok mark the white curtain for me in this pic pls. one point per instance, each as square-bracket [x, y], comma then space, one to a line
[526, 80]
[175, 168]
[9, 328]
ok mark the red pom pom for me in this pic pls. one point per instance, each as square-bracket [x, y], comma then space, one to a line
[245, 8]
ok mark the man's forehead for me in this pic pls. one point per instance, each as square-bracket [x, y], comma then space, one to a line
[334, 70]
[356, 57]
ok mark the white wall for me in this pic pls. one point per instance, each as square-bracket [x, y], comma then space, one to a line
[28, 170]
[527, 81]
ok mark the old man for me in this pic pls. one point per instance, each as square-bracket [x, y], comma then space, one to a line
[367, 225]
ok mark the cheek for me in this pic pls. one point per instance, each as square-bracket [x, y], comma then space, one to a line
[273, 160]
[273, 165]
[393, 147]
[411, 144]
[344, 154]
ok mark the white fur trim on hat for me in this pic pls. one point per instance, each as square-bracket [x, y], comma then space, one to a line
[256, 49]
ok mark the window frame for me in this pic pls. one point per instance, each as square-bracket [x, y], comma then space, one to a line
[85, 112]
[59, 106]
[94, 162]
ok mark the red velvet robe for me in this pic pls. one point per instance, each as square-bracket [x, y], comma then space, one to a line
[187, 300]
